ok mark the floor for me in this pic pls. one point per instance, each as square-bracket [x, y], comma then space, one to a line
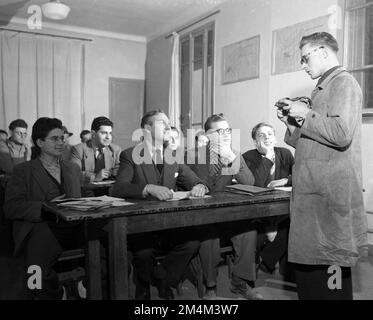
[272, 287]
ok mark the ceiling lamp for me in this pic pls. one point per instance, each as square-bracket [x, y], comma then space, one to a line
[55, 10]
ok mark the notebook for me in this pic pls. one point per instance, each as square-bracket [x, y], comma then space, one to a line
[248, 190]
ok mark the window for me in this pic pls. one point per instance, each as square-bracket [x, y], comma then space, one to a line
[197, 72]
[359, 51]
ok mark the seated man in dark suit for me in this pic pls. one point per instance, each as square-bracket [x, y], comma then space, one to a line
[217, 164]
[146, 172]
[271, 167]
[99, 157]
[33, 182]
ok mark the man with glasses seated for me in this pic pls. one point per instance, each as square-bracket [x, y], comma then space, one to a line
[14, 150]
[217, 164]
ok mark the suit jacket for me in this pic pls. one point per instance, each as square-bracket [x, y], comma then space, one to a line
[83, 154]
[26, 191]
[212, 173]
[133, 177]
[261, 166]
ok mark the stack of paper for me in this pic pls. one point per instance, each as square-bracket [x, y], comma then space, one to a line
[248, 190]
[284, 188]
[180, 195]
[91, 203]
[103, 183]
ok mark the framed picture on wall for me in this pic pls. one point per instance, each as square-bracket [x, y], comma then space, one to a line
[241, 60]
[285, 44]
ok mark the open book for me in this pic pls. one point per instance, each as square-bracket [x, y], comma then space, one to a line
[248, 190]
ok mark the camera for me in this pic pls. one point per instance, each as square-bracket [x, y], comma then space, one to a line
[280, 105]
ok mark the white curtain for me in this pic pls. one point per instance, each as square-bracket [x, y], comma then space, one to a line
[174, 92]
[41, 77]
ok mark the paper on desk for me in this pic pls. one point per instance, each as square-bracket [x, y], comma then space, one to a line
[92, 203]
[180, 195]
[103, 182]
[283, 188]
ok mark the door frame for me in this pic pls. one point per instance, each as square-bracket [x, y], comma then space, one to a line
[112, 81]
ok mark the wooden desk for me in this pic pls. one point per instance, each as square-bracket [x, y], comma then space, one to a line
[146, 216]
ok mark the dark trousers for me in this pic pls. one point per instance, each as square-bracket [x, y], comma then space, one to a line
[275, 251]
[43, 245]
[178, 247]
[243, 237]
[312, 283]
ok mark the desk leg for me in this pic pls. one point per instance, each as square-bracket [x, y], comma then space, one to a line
[93, 264]
[118, 260]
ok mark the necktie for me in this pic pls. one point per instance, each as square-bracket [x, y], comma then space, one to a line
[159, 160]
[273, 169]
[100, 161]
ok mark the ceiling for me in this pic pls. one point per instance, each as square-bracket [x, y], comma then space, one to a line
[146, 18]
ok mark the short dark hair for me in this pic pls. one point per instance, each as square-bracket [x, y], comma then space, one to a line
[146, 119]
[19, 123]
[324, 39]
[101, 121]
[214, 118]
[258, 126]
[83, 133]
[41, 129]
[3, 131]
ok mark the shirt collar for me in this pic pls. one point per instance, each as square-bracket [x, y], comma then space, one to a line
[97, 148]
[152, 149]
[321, 83]
[50, 164]
[14, 144]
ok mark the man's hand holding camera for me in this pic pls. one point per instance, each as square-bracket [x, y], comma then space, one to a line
[296, 108]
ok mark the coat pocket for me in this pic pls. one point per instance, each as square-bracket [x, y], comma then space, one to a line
[310, 177]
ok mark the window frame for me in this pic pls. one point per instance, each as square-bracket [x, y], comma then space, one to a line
[366, 111]
[190, 36]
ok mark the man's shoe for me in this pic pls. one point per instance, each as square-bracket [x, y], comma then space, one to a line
[245, 291]
[164, 291]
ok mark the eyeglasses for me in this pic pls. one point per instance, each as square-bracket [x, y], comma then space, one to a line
[222, 131]
[21, 134]
[306, 57]
[56, 139]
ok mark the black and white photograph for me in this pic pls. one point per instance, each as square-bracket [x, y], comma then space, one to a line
[207, 152]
